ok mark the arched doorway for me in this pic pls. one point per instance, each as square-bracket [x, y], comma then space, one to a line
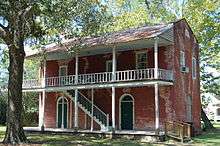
[126, 113]
[62, 112]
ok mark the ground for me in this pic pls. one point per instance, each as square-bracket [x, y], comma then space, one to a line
[207, 138]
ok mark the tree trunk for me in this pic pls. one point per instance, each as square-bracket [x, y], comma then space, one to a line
[207, 123]
[14, 132]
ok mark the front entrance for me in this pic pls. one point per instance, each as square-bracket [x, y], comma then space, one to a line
[62, 112]
[126, 112]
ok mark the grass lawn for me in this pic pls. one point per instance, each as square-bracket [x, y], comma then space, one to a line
[207, 138]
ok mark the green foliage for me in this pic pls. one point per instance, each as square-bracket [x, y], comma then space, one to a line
[3, 105]
[30, 104]
[31, 69]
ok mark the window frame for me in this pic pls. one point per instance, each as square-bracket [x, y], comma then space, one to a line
[107, 65]
[194, 64]
[136, 59]
[66, 68]
[182, 59]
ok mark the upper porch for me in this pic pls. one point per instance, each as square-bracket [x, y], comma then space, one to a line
[114, 65]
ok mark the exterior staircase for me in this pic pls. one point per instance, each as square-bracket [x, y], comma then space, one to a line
[86, 105]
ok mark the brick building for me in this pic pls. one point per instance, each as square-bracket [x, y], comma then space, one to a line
[130, 80]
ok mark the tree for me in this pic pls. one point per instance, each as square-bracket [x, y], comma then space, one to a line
[24, 19]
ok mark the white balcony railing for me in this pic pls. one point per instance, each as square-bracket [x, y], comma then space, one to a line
[32, 83]
[103, 77]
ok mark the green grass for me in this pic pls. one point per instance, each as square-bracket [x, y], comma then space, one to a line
[206, 139]
[209, 138]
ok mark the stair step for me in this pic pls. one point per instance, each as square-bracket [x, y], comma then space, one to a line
[71, 93]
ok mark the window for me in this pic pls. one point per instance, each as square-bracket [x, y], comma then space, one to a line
[63, 70]
[187, 33]
[141, 60]
[109, 66]
[194, 68]
[189, 108]
[182, 59]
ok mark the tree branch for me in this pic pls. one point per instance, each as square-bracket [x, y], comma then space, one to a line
[25, 11]
[3, 31]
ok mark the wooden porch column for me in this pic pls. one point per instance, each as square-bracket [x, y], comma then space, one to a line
[156, 87]
[42, 105]
[113, 88]
[40, 112]
[76, 92]
[156, 58]
[92, 109]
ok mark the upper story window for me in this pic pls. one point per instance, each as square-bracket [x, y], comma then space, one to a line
[182, 59]
[109, 66]
[141, 60]
[194, 68]
[187, 33]
[63, 70]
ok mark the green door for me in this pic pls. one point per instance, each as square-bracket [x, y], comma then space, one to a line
[59, 115]
[65, 115]
[62, 113]
[127, 113]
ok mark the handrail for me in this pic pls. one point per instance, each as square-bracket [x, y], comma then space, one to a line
[93, 104]
[102, 77]
[178, 130]
[31, 83]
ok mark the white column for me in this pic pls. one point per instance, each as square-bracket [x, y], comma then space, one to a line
[113, 88]
[113, 108]
[40, 111]
[156, 86]
[43, 95]
[71, 114]
[156, 58]
[92, 109]
[76, 93]
[157, 109]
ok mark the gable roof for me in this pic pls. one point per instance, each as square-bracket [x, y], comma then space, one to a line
[129, 35]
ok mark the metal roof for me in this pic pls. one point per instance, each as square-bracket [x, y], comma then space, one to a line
[121, 37]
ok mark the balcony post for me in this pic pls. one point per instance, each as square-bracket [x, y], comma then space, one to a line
[156, 58]
[113, 88]
[43, 96]
[156, 87]
[40, 111]
[76, 92]
[157, 109]
[92, 109]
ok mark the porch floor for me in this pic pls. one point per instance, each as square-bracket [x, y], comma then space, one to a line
[81, 131]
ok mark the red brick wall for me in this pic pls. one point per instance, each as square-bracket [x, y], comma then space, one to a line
[97, 63]
[184, 85]
[143, 107]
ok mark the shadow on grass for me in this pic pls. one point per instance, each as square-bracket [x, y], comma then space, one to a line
[67, 140]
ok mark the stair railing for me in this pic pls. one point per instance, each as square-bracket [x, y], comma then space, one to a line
[97, 113]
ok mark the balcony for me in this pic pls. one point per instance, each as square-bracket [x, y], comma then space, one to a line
[100, 78]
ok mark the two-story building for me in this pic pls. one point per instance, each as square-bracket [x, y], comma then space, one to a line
[132, 80]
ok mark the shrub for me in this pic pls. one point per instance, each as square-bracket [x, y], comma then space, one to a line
[3, 107]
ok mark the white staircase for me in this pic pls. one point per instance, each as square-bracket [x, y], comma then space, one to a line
[86, 105]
